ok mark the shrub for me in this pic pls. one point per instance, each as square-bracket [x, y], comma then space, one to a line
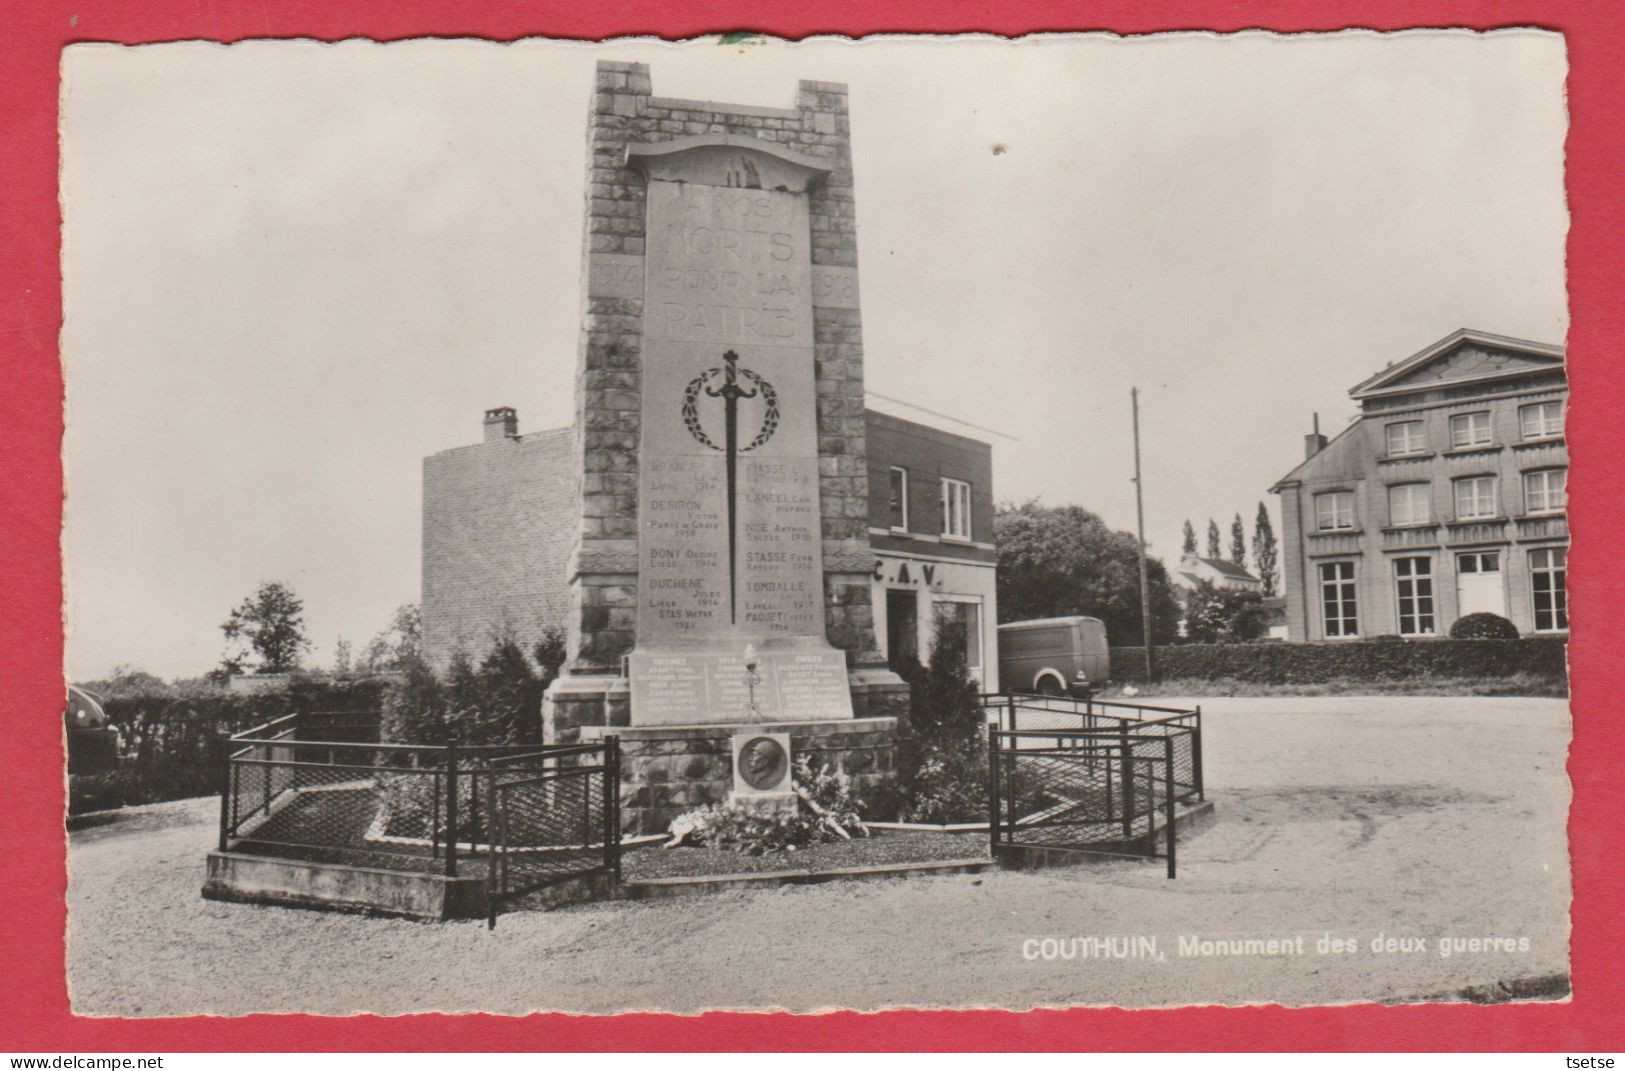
[1224, 615]
[948, 784]
[414, 707]
[170, 737]
[498, 701]
[942, 757]
[1318, 663]
[1483, 626]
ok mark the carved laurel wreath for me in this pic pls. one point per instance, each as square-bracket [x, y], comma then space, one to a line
[691, 408]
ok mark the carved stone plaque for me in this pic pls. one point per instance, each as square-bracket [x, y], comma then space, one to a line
[730, 550]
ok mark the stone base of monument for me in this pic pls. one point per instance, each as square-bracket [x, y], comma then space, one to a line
[766, 804]
[573, 702]
[263, 879]
[669, 769]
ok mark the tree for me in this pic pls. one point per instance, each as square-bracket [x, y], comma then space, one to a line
[1060, 560]
[942, 757]
[1238, 542]
[269, 627]
[125, 679]
[399, 643]
[1265, 552]
[1189, 546]
[1224, 615]
[341, 656]
[549, 654]
[497, 700]
[1213, 550]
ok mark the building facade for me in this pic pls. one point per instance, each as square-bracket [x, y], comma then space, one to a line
[1194, 571]
[497, 540]
[931, 527]
[1445, 496]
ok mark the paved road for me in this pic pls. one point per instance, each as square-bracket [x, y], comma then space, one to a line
[1414, 819]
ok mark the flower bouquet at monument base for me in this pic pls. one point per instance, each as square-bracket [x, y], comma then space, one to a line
[826, 810]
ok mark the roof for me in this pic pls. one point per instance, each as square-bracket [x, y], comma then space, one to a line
[1227, 568]
[1392, 377]
[1041, 622]
[887, 406]
[1318, 455]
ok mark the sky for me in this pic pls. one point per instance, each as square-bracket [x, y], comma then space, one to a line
[293, 270]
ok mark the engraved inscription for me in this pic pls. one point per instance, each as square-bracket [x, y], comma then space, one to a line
[729, 542]
[614, 275]
[835, 288]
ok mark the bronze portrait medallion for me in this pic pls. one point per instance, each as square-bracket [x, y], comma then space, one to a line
[762, 763]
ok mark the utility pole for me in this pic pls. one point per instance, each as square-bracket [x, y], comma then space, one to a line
[1145, 569]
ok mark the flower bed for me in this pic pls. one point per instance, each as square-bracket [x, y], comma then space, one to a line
[878, 849]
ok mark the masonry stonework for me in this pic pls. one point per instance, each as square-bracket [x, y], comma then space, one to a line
[667, 771]
[602, 571]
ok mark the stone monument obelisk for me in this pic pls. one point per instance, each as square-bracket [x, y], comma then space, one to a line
[722, 567]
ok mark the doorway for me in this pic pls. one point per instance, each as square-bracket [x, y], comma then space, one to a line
[1479, 585]
[902, 629]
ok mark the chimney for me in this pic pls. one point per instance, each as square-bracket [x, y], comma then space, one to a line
[501, 423]
[1313, 443]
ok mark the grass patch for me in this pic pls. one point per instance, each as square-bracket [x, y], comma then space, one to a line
[1517, 684]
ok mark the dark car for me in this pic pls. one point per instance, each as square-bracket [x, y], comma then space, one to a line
[92, 741]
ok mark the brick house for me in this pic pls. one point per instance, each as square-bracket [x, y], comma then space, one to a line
[1446, 495]
[497, 539]
[931, 527]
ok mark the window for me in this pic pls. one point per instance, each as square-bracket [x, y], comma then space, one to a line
[1406, 438]
[1545, 491]
[1469, 429]
[1337, 599]
[960, 623]
[1413, 582]
[1485, 561]
[1543, 420]
[1475, 498]
[899, 498]
[955, 508]
[1409, 503]
[1334, 511]
[1548, 572]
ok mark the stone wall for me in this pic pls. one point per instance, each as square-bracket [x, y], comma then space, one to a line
[603, 569]
[668, 770]
[494, 550]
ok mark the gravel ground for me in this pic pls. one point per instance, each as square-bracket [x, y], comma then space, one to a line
[873, 850]
[1405, 818]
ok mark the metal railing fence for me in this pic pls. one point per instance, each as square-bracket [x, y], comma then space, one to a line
[1090, 776]
[323, 787]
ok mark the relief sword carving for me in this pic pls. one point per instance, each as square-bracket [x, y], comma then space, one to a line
[724, 383]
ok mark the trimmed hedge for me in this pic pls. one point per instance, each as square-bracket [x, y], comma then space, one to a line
[1318, 663]
[170, 738]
